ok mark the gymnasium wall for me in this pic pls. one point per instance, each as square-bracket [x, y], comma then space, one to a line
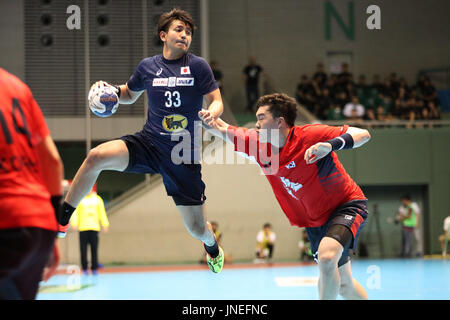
[394, 162]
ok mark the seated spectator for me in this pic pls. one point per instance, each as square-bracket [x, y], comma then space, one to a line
[344, 76]
[376, 87]
[265, 243]
[428, 91]
[354, 110]
[403, 109]
[323, 104]
[394, 82]
[431, 111]
[361, 88]
[320, 75]
[304, 93]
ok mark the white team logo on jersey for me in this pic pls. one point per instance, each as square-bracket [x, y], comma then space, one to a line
[185, 82]
[290, 165]
[159, 72]
[291, 187]
[185, 70]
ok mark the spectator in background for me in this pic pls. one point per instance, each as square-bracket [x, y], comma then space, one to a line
[31, 172]
[354, 110]
[344, 77]
[376, 87]
[218, 75]
[251, 78]
[409, 216]
[443, 238]
[304, 93]
[87, 217]
[265, 242]
[320, 75]
[404, 108]
[324, 102]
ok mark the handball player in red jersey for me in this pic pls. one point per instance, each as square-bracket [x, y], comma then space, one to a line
[31, 172]
[310, 184]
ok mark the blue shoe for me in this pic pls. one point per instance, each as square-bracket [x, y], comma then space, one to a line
[94, 272]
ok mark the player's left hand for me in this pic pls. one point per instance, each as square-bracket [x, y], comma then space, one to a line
[317, 152]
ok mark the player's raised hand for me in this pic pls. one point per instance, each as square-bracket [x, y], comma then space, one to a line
[217, 124]
[317, 152]
[207, 117]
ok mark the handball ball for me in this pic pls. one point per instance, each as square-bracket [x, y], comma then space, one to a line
[103, 100]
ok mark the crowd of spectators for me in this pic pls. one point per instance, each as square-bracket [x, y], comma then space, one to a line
[339, 97]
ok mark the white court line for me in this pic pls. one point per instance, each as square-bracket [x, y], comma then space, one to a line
[296, 281]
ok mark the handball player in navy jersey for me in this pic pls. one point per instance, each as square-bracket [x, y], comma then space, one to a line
[176, 82]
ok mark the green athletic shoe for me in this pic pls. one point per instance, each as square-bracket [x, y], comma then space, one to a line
[215, 264]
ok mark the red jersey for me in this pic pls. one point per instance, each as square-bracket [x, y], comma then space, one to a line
[307, 193]
[24, 198]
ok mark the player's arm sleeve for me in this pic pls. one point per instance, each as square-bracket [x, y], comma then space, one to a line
[204, 77]
[321, 133]
[136, 82]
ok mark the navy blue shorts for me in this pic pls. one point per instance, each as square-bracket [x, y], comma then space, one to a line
[352, 215]
[183, 182]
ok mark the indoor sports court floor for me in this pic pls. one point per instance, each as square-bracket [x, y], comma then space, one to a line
[407, 279]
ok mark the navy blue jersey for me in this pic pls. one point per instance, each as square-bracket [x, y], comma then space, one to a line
[175, 90]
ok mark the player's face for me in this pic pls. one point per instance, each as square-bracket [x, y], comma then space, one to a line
[178, 38]
[266, 125]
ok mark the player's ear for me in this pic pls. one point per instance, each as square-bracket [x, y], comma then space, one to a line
[162, 36]
[281, 122]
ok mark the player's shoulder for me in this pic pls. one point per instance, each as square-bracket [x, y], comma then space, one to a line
[15, 84]
[317, 127]
[196, 61]
[148, 60]
[12, 79]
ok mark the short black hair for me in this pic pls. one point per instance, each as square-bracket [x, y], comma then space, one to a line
[167, 18]
[280, 105]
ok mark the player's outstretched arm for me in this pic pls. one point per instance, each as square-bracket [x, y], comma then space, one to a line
[353, 138]
[217, 128]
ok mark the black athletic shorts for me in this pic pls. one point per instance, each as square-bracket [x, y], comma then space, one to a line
[351, 215]
[24, 252]
[183, 182]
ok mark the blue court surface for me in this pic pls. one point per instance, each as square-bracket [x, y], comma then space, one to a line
[407, 279]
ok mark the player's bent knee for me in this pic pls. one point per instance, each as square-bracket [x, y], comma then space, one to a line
[95, 158]
[328, 260]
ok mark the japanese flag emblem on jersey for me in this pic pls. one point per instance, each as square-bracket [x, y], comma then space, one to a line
[185, 70]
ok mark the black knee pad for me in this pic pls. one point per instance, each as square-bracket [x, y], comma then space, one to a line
[341, 234]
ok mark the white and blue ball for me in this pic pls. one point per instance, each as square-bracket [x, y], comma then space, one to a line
[103, 100]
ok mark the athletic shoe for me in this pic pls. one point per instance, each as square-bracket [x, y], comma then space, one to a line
[215, 264]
